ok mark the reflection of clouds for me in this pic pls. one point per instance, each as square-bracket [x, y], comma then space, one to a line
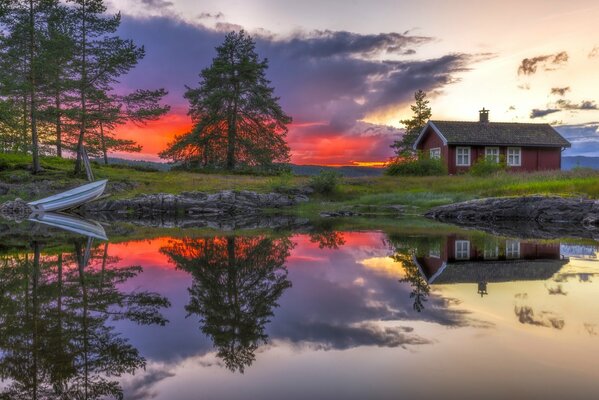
[546, 319]
[331, 336]
[141, 386]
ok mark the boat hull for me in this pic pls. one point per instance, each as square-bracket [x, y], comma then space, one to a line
[71, 223]
[71, 198]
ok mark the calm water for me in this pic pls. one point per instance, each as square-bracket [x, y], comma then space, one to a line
[321, 315]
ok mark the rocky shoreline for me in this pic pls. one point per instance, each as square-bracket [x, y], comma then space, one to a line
[227, 203]
[527, 216]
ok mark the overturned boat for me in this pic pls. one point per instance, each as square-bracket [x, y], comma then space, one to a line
[70, 199]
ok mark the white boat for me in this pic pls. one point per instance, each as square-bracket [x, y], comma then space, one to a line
[71, 223]
[71, 198]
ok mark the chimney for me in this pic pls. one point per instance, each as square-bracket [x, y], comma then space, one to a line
[483, 115]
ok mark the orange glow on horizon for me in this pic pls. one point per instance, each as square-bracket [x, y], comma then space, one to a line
[331, 149]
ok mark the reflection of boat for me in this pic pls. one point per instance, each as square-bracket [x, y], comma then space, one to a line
[70, 223]
[71, 198]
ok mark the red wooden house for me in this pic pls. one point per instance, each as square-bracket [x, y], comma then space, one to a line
[523, 146]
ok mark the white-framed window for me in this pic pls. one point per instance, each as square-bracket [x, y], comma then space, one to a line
[491, 252]
[514, 156]
[435, 153]
[462, 156]
[512, 249]
[492, 154]
[462, 249]
[435, 251]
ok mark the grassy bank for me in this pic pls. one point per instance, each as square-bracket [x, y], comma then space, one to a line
[418, 192]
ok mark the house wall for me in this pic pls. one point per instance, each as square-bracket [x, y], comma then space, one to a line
[533, 158]
[430, 141]
[528, 250]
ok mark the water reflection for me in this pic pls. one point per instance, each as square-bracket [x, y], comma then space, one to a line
[55, 336]
[333, 307]
[236, 284]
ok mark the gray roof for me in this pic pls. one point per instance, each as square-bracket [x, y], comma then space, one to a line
[499, 271]
[499, 133]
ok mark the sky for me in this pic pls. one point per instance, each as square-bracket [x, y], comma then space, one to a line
[346, 71]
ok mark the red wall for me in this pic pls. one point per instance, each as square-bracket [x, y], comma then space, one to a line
[430, 141]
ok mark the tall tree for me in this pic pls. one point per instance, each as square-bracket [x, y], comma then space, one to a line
[414, 125]
[138, 108]
[25, 24]
[100, 57]
[237, 119]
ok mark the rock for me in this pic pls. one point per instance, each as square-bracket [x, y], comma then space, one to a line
[528, 216]
[339, 214]
[225, 203]
[4, 189]
[16, 210]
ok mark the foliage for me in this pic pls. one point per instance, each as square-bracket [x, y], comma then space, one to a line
[420, 166]
[414, 125]
[325, 182]
[237, 282]
[237, 120]
[283, 182]
[487, 166]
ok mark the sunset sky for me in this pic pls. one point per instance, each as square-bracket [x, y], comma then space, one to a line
[346, 71]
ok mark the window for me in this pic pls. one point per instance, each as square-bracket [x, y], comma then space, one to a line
[462, 156]
[512, 249]
[462, 249]
[514, 156]
[435, 153]
[492, 154]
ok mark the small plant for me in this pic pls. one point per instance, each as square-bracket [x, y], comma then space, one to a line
[325, 182]
[487, 166]
[421, 166]
[283, 182]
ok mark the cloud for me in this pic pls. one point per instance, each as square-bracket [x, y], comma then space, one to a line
[545, 319]
[529, 66]
[560, 91]
[157, 3]
[583, 105]
[328, 81]
[207, 15]
[594, 52]
[538, 113]
[583, 137]
[140, 386]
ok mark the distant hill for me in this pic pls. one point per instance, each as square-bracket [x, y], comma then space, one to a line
[348, 171]
[580, 161]
[136, 163]
[306, 170]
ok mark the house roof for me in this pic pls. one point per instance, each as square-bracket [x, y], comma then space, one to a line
[496, 133]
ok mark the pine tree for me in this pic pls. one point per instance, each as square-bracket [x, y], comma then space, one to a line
[237, 119]
[100, 57]
[422, 113]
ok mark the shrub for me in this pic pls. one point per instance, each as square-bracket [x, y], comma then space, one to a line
[283, 182]
[485, 167]
[422, 166]
[325, 182]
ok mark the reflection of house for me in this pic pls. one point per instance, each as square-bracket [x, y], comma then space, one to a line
[458, 259]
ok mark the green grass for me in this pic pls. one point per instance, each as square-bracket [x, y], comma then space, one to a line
[419, 192]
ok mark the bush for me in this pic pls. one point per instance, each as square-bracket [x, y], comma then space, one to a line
[486, 167]
[325, 182]
[283, 182]
[422, 166]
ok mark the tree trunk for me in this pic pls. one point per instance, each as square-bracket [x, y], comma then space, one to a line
[32, 94]
[83, 91]
[103, 142]
[58, 125]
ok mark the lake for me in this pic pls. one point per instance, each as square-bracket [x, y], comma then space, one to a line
[416, 310]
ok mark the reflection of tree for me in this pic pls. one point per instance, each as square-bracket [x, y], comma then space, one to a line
[54, 337]
[405, 250]
[328, 239]
[236, 284]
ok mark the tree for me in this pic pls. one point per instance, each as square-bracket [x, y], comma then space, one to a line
[25, 22]
[100, 57]
[237, 282]
[422, 113]
[237, 119]
[113, 111]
